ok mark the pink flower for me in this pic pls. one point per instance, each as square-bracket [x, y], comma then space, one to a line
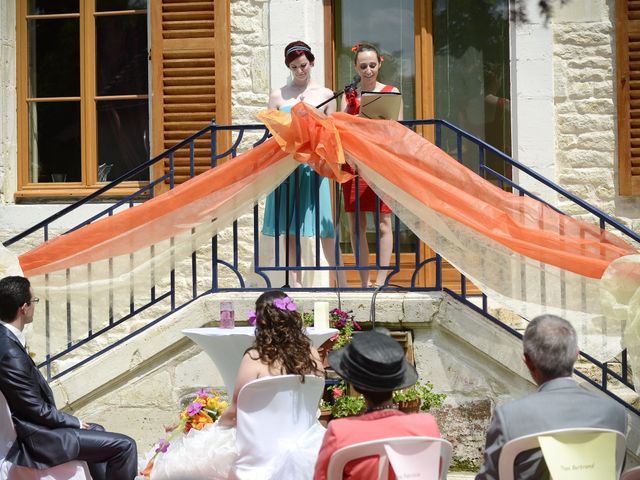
[285, 304]
[163, 446]
[337, 392]
[252, 317]
[194, 408]
[203, 392]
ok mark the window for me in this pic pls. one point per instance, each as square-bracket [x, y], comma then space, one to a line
[82, 94]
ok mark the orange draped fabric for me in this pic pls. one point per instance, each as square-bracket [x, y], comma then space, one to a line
[409, 162]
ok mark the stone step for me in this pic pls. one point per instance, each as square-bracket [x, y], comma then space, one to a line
[461, 476]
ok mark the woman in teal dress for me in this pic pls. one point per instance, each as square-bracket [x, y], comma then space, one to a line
[301, 203]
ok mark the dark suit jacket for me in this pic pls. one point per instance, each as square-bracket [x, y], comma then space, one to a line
[558, 403]
[45, 436]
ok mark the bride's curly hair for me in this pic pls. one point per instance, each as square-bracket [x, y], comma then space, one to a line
[280, 337]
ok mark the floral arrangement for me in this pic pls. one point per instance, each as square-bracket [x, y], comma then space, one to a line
[204, 410]
[422, 392]
[345, 405]
[346, 325]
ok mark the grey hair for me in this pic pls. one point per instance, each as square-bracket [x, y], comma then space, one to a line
[551, 345]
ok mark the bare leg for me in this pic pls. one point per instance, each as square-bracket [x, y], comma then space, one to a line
[364, 246]
[295, 276]
[329, 248]
[386, 246]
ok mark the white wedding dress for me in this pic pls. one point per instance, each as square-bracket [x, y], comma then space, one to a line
[278, 437]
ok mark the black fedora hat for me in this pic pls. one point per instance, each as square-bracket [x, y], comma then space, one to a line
[373, 362]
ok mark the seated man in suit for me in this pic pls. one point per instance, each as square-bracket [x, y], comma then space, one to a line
[46, 436]
[374, 363]
[550, 351]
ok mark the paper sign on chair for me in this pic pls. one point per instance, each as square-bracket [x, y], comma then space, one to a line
[574, 457]
[414, 461]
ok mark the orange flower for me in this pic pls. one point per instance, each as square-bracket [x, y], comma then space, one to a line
[355, 48]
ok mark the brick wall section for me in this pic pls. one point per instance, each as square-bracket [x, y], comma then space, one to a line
[585, 114]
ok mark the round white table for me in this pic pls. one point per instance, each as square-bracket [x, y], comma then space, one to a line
[226, 346]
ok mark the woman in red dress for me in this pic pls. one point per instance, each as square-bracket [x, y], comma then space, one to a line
[367, 61]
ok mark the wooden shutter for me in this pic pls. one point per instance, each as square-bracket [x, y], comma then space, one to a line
[628, 66]
[191, 83]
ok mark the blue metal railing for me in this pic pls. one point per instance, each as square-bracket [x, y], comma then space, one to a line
[164, 295]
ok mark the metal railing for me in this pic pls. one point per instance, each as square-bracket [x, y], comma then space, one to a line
[166, 298]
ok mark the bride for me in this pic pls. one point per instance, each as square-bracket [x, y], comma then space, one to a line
[280, 348]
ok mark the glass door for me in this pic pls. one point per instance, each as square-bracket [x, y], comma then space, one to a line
[389, 26]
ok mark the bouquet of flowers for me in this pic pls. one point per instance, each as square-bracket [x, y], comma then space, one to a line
[346, 325]
[204, 410]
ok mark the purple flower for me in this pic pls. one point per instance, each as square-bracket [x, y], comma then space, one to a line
[163, 446]
[252, 317]
[194, 408]
[203, 392]
[285, 304]
[340, 323]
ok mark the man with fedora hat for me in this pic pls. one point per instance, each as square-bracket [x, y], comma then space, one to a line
[374, 363]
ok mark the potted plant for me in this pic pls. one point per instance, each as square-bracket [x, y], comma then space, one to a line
[419, 397]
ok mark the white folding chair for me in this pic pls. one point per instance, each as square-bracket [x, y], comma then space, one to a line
[75, 470]
[277, 427]
[377, 447]
[515, 447]
[631, 474]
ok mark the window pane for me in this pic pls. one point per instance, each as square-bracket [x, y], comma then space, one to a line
[390, 27]
[46, 7]
[114, 5]
[54, 58]
[121, 63]
[472, 81]
[123, 138]
[54, 142]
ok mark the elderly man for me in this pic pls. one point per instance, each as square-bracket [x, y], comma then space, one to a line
[46, 436]
[550, 351]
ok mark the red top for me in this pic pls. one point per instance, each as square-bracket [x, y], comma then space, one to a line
[367, 195]
[343, 432]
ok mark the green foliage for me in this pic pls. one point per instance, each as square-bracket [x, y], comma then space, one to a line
[421, 391]
[346, 406]
[307, 319]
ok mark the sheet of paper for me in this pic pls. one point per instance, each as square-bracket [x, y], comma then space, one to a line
[414, 461]
[580, 457]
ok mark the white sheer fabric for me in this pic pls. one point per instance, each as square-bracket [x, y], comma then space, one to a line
[205, 454]
[278, 434]
[8, 471]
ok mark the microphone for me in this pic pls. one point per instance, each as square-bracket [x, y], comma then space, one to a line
[354, 83]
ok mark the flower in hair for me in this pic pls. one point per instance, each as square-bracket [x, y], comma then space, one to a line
[285, 304]
[381, 59]
[252, 317]
[355, 48]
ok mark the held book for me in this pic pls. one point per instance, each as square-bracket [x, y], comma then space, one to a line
[380, 105]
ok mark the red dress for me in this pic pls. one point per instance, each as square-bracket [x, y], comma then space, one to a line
[367, 195]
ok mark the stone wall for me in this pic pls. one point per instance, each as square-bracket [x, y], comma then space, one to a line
[585, 109]
[8, 128]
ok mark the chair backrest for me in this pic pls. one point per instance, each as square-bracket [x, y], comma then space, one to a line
[379, 448]
[75, 470]
[273, 414]
[7, 431]
[515, 447]
[631, 474]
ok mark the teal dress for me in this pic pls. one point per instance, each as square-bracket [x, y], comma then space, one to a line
[306, 203]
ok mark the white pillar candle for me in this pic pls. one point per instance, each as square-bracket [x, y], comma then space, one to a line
[321, 315]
